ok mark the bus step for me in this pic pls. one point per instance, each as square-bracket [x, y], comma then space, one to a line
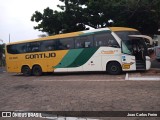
[140, 66]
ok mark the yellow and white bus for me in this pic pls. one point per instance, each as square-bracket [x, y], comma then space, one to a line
[92, 50]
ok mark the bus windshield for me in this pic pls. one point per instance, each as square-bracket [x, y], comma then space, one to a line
[127, 47]
[133, 46]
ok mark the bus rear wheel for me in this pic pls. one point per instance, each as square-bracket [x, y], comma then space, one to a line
[37, 70]
[114, 68]
[26, 70]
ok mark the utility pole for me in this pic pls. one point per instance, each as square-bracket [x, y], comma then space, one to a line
[9, 37]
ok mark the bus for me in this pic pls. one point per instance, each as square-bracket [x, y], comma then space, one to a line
[91, 50]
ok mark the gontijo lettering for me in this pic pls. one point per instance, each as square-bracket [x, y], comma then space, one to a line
[109, 52]
[41, 55]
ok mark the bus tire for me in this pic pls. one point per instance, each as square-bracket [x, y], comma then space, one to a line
[37, 70]
[26, 70]
[114, 68]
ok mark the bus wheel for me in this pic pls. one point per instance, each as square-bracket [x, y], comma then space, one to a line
[114, 68]
[26, 70]
[37, 70]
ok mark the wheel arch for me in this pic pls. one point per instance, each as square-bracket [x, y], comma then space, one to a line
[24, 66]
[113, 67]
[113, 61]
[37, 70]
[26, 70]
[37, 65]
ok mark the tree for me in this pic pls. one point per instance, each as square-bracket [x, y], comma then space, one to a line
[50, 21]
[142, 14]
[54, 22]
[2, 52]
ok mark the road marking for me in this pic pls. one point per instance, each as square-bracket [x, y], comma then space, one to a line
[145, 78]
[79, 80]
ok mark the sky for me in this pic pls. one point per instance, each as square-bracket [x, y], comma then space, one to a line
[15, 18]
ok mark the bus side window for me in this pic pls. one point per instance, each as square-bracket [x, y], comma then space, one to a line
[105, 39]
[21, 48]
[12, 49]
[48, 45]
[89, 41]
[33, 47]
[112, 41]
[66, 43]
[17, 49]
[100, 40]
[78, 42]
[84, 42]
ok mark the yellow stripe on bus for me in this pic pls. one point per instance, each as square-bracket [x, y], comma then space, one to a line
[45, 59]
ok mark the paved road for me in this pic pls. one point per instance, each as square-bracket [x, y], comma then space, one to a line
[78, 92]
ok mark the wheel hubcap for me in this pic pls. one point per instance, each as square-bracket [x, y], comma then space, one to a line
[114, 68]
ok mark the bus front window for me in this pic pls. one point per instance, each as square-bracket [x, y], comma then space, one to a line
[126, 48]
[135, 47]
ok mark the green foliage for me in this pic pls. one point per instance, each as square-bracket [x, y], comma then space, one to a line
[141, 14]
[50, 21]
[2, 48]
[2, 51]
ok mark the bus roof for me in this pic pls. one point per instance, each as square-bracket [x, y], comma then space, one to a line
[65, 35]
[48, 37]
[121, 29]
[74, 34]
